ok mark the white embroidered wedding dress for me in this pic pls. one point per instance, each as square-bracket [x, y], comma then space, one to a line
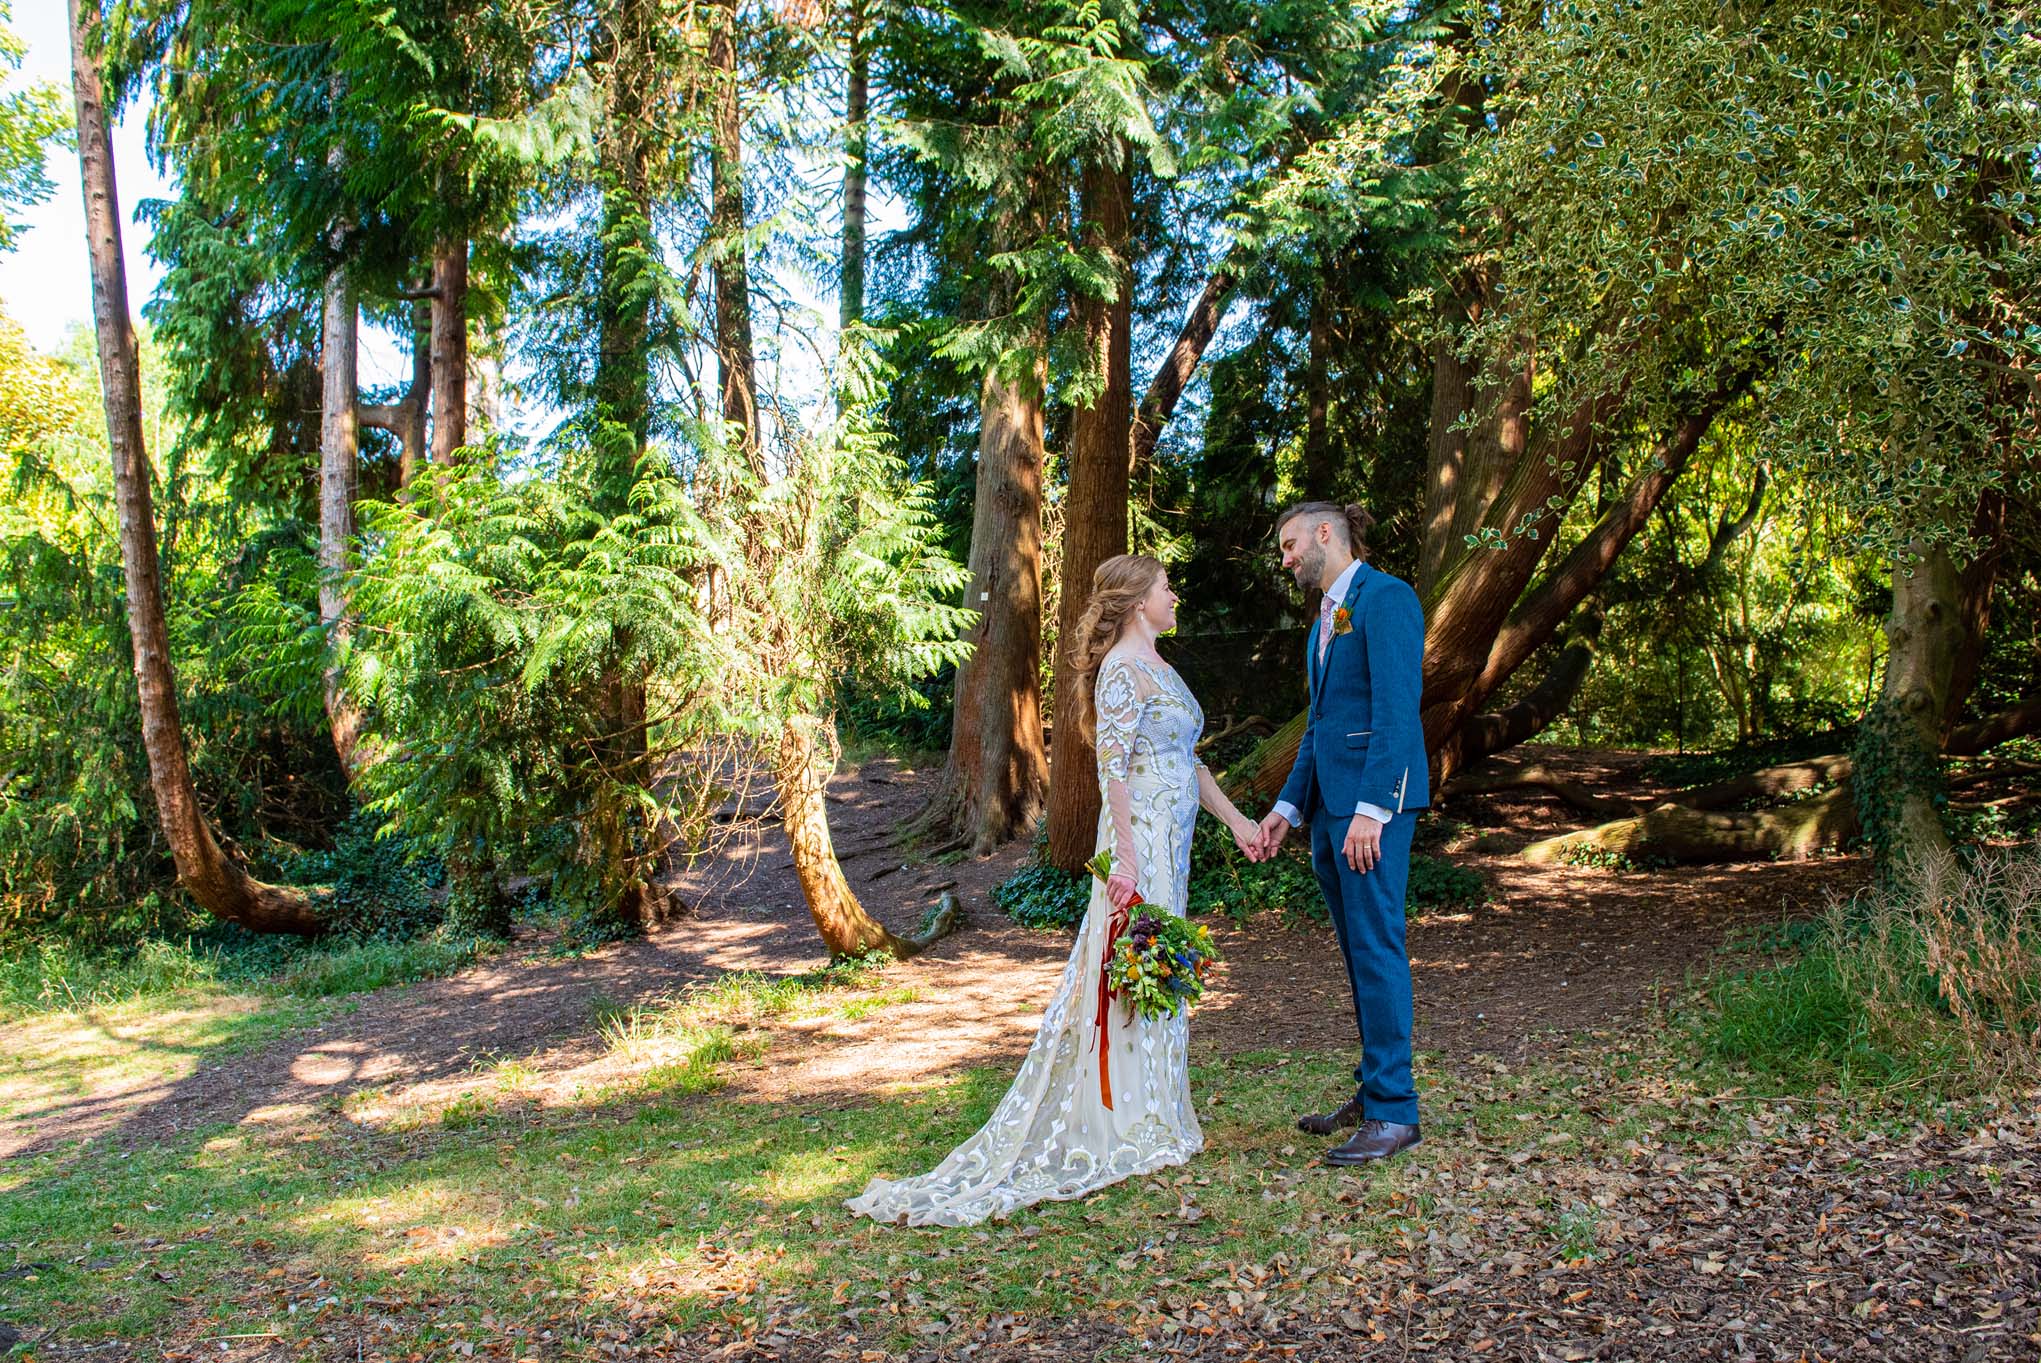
[1057, 1134]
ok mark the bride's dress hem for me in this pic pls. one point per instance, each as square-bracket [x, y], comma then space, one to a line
[872, 1202]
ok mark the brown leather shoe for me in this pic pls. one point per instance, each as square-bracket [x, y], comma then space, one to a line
[1328, 1123]
[1375, 1140]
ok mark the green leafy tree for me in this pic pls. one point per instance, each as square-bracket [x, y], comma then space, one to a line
[1832, 208]
[32, 120]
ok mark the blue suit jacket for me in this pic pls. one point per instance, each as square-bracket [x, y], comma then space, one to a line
[1363, 740]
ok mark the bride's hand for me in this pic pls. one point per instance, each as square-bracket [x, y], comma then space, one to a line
[1120, 889]
[1246, 836]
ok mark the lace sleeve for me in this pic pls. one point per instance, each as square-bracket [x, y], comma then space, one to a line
[1116, 705]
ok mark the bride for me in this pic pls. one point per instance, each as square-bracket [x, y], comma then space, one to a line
[1103, 1095]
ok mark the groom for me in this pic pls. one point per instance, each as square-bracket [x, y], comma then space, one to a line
[1360, 778]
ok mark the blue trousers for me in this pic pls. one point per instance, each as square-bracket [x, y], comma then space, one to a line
[1367, 914]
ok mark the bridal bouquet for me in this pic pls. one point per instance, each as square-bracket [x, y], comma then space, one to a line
[1157, 963]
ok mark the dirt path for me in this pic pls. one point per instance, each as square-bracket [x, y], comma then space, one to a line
[1555, 950]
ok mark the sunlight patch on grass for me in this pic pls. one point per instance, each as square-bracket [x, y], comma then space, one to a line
[701, 1209]
[52, 1058]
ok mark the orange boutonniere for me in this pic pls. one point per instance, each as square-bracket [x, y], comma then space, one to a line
[1342, 621]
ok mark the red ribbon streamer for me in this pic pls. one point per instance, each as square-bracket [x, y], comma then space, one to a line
[1115, 925]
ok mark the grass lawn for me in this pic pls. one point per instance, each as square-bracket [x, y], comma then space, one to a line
[668, 1209]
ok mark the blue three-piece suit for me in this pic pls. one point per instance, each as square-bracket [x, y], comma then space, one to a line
[1363, 750]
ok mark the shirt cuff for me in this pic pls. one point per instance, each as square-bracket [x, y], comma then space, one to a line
[1375, 812]
[1287, 810]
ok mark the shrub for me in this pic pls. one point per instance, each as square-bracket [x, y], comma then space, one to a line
[1039, 895]
[1436, 883]
[1934, 980]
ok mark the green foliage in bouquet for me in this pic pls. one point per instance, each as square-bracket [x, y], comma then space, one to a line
[1160, 963]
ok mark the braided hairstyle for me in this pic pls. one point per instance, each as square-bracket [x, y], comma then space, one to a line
[1352, 519]
[1117, 586]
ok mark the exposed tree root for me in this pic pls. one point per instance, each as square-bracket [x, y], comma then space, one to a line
[1673, 832]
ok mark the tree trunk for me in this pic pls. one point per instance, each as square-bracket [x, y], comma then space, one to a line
[997, 775]
[218, 884]
[449, 382]
[1897, 762]
[1768, 783]
[623, 366]
[844, 926]
[1540, 706]
[734, 350]
[1200, 325]
[339, 442]
[1968, 740]
[623, 396]
[404, 419]
[1980, 575]
[1537, 776]
[1095, 525]
[1675, 833]
[857, 128]
[1469, 469]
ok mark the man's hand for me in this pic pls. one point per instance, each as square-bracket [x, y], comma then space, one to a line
[1363, 848]
[1120, 889]
[1274, 828]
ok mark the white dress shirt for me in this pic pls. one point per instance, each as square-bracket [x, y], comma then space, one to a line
[1337, 592]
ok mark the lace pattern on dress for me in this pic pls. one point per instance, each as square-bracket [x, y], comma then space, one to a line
[1051, 1137]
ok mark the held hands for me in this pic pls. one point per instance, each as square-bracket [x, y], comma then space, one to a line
[1363, 846]
[1269, 836]
[1246, 836]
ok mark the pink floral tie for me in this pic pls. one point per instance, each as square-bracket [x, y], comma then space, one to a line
[1325, 609]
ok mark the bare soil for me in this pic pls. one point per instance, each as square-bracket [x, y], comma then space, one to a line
[1554, 951]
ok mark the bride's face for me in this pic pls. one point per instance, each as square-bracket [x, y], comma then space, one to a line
[1158, 608]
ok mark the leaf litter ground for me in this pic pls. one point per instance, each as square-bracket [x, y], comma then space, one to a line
[578, 1158]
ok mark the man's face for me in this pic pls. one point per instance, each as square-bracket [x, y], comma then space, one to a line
[1303, 549]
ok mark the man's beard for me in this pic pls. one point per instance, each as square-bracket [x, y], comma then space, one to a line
[1310, 567]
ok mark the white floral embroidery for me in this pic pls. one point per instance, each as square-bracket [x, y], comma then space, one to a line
[1052, 1138]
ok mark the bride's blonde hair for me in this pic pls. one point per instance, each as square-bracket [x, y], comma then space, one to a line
[1117, 586]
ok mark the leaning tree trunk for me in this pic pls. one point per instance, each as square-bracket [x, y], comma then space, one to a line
[218, 884]
[1095, 524]
[1174, 372]
[844, 925]
[799, 770]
